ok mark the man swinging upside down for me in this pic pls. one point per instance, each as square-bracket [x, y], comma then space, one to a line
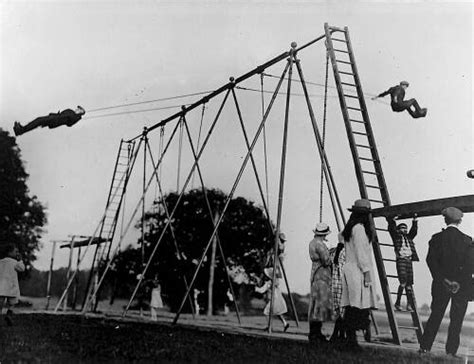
[397, 93]
[66, 117]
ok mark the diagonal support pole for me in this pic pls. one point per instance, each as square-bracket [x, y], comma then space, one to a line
[239, 175]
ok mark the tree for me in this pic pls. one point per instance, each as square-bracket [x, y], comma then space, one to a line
[21, 216]
[244, 235]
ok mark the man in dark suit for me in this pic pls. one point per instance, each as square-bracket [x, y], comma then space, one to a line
[449, 266]
[398, 104]
[53, 120]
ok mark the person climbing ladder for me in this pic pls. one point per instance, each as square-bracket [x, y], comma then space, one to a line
[398, 104]
[53, 120]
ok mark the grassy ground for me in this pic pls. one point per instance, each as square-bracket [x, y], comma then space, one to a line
[39, 337]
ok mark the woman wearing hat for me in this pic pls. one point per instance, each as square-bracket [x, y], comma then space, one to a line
[358, 295]
[279, 304]
[320, 304]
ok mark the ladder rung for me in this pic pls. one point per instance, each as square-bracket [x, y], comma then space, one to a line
[403, 294]
[338, 40]
[359, 133]
[348, 84]
[340, 50]
[371, 186]
[351, 96]
[378, 201]
[341, 61]
[389, 260]
[357, 121]
[391, 276]
[383, 244]
[336, 29]
[346, 73]
[408, 327]
[381, 229]
[364, 146]
[354, 108]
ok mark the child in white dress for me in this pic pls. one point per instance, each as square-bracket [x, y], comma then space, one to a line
[10, 265]
[156, 301]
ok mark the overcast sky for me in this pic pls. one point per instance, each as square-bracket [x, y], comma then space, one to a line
[56, 55]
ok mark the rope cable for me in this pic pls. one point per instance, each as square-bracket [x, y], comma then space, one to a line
[199, 136]
[264, 139]
[180, 148]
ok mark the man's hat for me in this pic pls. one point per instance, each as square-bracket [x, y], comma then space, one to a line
[452, 213]
[402, 225]
[321, 229]
[362, 205]
[404, 83]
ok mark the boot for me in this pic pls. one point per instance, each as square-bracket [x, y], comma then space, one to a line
[399, 298]
[338, 334]
[352, 343]
[315, 334]
[9, 318]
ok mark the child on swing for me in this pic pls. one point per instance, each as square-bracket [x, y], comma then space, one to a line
[10, 265]
[279, 304]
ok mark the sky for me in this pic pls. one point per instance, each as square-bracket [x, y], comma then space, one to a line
[56, 55]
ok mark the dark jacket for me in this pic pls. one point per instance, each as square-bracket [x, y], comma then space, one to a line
[66, 117]
[397, 94]
[398, 238]
[448, 256]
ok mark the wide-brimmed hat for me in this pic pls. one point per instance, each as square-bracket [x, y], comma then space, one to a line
[452, 213]
[321, 229]
[362, 205]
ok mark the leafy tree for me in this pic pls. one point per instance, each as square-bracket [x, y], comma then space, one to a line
[244, 235]
[21, 216]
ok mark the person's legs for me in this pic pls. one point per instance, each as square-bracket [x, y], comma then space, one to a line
[283, 321]
[456, 318]
[440, 300]
[402, 278]
[153, 314]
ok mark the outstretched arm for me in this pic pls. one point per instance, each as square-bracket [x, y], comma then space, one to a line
[383, 94]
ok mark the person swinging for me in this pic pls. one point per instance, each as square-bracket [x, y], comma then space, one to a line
[67, 117]
[398, 104]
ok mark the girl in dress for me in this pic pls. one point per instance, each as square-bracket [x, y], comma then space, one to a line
[156, 301]
[10, 265]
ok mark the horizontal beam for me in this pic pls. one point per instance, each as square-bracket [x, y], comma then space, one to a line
[426, 208]
[81, 243]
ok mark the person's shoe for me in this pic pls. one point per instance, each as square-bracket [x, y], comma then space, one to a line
[287, 325]
[367, 335]
[17, 128]
[398, 307]
[410, 308]
[8, 318]
[455, 356]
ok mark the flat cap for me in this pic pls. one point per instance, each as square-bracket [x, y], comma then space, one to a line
[452, 213]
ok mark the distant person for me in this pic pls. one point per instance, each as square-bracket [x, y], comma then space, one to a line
[320, 297]
[398, 104]
[53, 120]
[448, 261]
[156, 302]
[279, 304]
[405, 255]
[358, 295]
[10, 265]
[280, 255]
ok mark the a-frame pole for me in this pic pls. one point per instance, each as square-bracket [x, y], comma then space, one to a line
[281, 188]
[234, 187]
[50, 273]
[165, 207]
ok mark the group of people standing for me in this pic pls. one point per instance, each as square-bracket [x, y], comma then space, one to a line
[341, 282]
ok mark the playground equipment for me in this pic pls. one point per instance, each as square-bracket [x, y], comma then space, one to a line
[367, 165]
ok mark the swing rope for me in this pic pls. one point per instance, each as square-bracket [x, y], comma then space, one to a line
[264, 138]
[321, 187]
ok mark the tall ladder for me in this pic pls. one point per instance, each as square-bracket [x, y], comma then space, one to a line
[115, 197]
[367, 164]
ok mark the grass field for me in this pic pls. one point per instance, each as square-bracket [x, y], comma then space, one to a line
[38, 336]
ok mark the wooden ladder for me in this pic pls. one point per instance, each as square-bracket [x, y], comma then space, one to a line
[367, 164]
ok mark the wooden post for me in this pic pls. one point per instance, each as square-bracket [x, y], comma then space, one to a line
[71, 248]
[48, 287]
[210, 287]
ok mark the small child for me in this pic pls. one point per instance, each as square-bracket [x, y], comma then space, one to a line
[156, 301]
[279, 304]
[9, 288]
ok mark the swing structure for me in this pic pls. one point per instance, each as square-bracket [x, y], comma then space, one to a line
[364, 152]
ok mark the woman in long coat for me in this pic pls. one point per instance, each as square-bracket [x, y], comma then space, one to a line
[320, 305]
[358, 295]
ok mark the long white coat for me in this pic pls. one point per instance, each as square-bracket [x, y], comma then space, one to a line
[358, 261]
[9, 277]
